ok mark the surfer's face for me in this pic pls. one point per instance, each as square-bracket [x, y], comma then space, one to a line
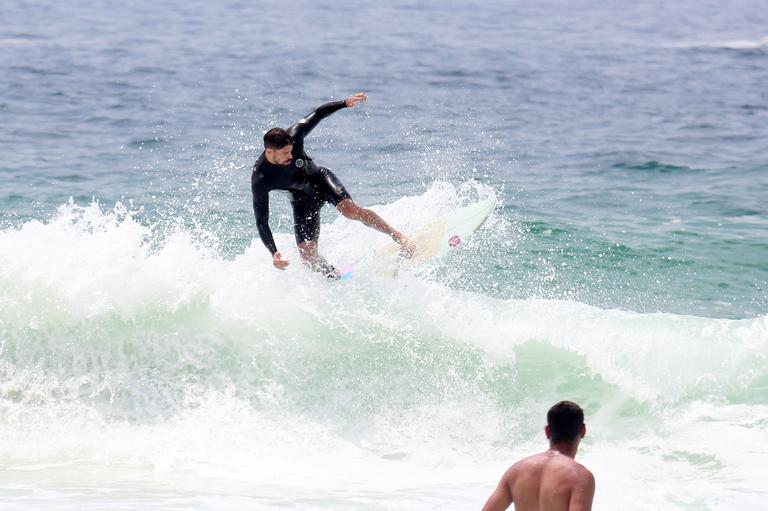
[281, 156]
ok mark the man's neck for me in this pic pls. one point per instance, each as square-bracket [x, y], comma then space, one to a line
[565, 449]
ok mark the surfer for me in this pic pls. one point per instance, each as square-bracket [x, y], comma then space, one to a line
[284, 165]
[551, 480]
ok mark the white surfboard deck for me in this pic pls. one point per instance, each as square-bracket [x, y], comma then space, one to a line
[435, 239]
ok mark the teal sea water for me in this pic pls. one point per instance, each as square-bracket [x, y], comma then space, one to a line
[152, 358]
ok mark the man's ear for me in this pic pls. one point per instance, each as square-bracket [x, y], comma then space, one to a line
[548, 432]
[583, 430]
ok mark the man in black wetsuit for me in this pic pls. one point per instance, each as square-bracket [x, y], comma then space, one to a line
[284, 165]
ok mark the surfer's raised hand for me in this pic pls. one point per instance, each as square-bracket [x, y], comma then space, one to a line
[278, 261]
[355, 100]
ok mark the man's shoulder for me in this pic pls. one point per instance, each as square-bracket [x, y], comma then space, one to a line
[584, 482]
[578, 473]
[584, 472]
[523, 465]
[579, 467]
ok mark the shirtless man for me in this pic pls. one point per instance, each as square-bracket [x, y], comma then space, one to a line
[551, 480]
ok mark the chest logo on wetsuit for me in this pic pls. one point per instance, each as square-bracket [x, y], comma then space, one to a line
[299, 162]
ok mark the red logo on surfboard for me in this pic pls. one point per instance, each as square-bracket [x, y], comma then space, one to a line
[454, 242]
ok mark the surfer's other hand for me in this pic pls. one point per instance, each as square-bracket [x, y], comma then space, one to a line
[278, 261]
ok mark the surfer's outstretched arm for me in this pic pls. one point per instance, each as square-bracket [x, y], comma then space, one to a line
[302, 128]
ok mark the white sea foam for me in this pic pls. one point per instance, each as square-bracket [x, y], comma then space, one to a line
[154, 359]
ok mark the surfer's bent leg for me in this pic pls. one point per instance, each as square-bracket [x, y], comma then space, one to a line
[306, 226]
[337, 195]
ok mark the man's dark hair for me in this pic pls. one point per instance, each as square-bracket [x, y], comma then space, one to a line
[565, 420]
[277, 138]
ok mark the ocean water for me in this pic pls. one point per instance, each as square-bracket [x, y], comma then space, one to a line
[152, 358]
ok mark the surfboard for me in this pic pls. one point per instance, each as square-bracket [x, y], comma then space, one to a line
[435, 239]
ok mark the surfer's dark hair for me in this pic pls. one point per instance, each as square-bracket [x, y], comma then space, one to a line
[565, 420]
[277, 138]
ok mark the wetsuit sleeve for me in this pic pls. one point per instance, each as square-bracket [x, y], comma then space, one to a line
[261, 210]
[302, 128]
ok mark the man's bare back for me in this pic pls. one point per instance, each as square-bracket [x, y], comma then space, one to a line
[548, 481]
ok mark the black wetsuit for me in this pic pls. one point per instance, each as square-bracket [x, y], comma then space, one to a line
[310, 186]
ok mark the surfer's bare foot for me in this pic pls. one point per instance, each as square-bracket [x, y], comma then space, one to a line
[407, 246]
